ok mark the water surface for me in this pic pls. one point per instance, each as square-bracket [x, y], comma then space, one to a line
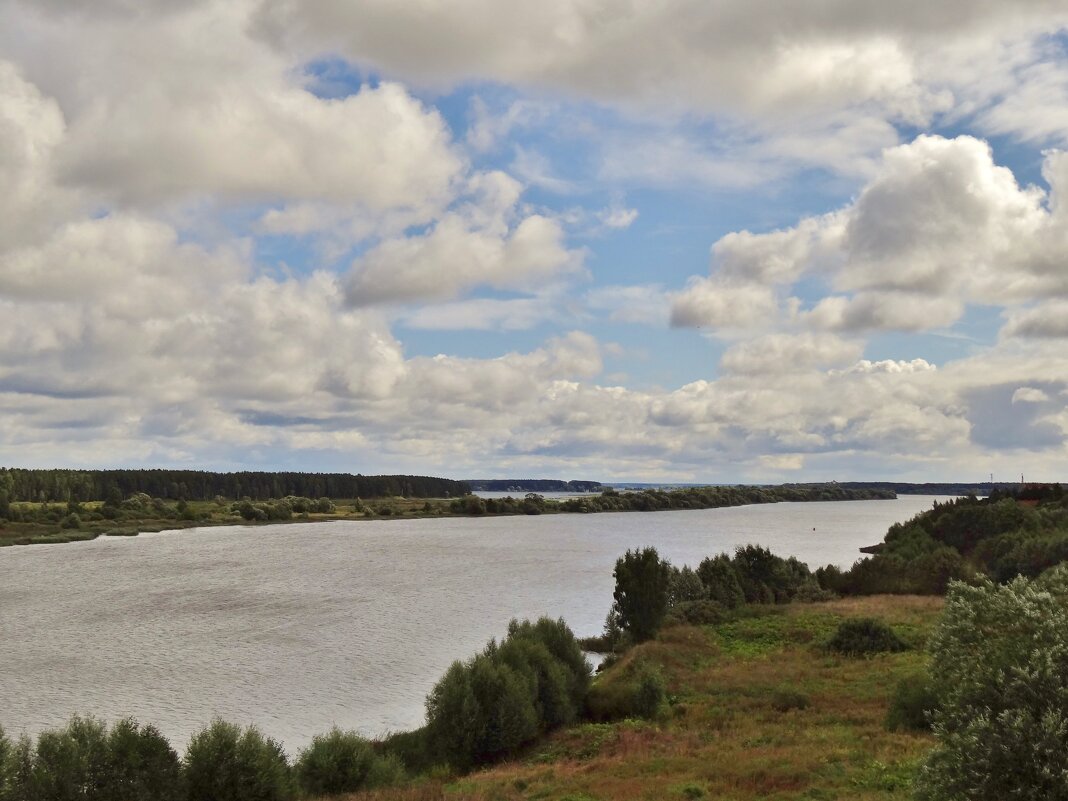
[298, 627]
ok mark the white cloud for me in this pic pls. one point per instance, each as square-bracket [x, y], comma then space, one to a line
[486, 242]
[31, 128]
[1029, 395]
[181, 105]
[892, 311]
[786, 353]
[891, 366]
[723, 306]
[797, 58]
[1045, 321]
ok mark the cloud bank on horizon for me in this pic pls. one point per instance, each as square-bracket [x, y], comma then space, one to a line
[727, 241]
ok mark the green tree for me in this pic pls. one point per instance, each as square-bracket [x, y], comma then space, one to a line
[334, 763]
[641, 592]
[224, 763]
[71, 764]
[141, 765]
[1000, 671]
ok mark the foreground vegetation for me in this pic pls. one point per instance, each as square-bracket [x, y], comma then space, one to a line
[24, 522]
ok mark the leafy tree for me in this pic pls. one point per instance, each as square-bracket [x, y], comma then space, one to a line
[685, 586]
[72, 764]
[141, 765]
[641, 592]
[338, 762]
[224, 763]
[1000, 666]
[720, 580]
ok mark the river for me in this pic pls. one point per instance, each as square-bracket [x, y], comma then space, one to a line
[299, 627]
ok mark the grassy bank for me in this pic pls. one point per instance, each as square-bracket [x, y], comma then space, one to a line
[759, 710]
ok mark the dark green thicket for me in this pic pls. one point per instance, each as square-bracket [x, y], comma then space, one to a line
[486, 708]
[637, 691]
[1006, 535]
[912, 704]
[865, 636]
[344, 762]
[650, 592]
[224, 763]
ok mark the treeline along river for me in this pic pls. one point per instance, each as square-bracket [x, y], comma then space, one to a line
[295, 628]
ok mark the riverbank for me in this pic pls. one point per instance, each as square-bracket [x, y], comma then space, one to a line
[54, 523]
[758, 709]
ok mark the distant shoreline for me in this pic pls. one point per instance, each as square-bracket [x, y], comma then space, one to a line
[52, 524]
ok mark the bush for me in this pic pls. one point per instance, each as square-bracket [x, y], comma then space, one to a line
[786, 700]
[71, 521]
[696, 613]
[223, 763]
[16, 770]
[864, 636]
[411, 749]
[1000, 655]
[72, 763]
[912, 705]
[650, 692]
[721, 581]
[639, 692]
[343, 762]
[141, 765]
[7, 751]
[489, 706]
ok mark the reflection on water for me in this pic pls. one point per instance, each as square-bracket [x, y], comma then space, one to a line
[295, 628]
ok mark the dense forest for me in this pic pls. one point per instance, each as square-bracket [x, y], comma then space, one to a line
[198, 485]
[1017, 532]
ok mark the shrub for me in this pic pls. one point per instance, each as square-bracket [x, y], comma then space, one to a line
[411, 749]
[650, 692]
[912, 704]
[223, 763]
[864, 636]
[16, 771]
[785, 700]
[685, 586]
[344, 762]
[141, 765]
[1000, 655]
[71, 763]
[491, 705]
[71, 521]
[639, 692]
[6, 763]
[696, 613]
[721, 581]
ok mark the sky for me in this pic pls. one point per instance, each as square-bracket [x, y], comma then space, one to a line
[684, 240]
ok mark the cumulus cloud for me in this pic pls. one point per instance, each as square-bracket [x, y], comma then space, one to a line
[890, 311]
[488, 242]
[1045, 321]
[891, 366]
[723, 305]
[785, 353]
[937, 227]
[812, 57]
[1029, 395]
